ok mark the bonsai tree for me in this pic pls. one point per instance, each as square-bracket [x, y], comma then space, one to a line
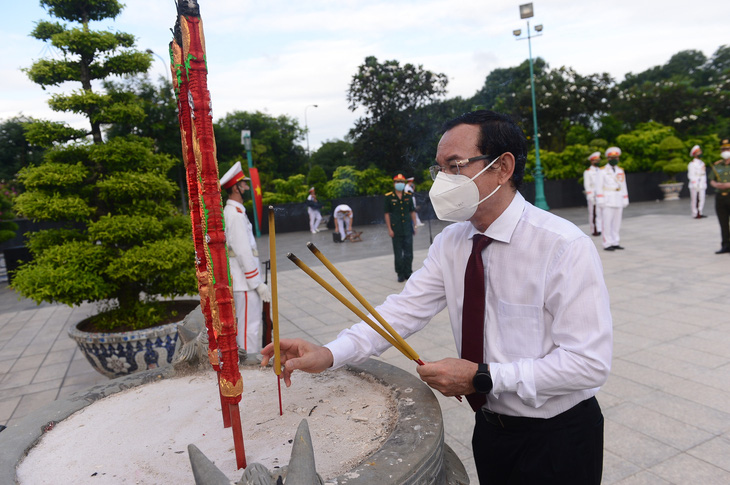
[671, 147]
[125, 243]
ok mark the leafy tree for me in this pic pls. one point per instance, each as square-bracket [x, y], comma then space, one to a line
[317, 179]
[564, 99]
[275, 152]
[86, 56]
[160, 122]
[390, 95]
[640, 147]
[133, 245]
[332, 154]
[8, 228]
[158, 102]
[293, 189]
[15, 151]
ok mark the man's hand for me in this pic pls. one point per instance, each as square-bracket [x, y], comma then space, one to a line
[451, 377]
[298, 354]
[264, 292]
[391, 233]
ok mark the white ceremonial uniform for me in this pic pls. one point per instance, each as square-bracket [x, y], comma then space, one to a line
[246, 276]
[612, 196]
[342, 219]
[697, 175]
[590, 179]
[315, 217]
[547, 334]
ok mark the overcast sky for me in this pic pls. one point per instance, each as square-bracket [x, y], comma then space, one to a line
[281, 56]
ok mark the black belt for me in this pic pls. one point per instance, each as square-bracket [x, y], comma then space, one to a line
[505, 421]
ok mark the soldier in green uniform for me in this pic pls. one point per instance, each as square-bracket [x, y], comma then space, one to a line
[400, 219]
[721, 182]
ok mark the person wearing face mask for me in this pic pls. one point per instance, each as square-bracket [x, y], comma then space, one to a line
[529, 311]
[720, 180]
[400, 219]
[590, 179]
[249, 290]
[612, 197]
[697, 182]
[411, 189]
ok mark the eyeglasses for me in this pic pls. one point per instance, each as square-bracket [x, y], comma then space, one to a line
[454, 168]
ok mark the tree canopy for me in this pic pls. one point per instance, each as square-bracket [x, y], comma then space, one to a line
[128, 243]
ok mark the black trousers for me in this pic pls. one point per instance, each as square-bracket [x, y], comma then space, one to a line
[566, 449]
[722, 208]
[403, 252]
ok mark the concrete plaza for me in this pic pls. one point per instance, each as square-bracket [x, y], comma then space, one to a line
[666, 403]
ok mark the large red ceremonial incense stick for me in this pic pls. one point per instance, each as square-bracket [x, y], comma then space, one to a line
[196, 124]
[275, 303]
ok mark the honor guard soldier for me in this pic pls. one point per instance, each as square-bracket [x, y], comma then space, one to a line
[590, 179]
[612, 196]
[248, 288]
[721, 182]
[400, 219]
[697, 176]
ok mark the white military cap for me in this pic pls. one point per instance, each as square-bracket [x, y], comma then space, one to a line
[594, 156]
[232, 176]
[694, 150]
[613, 152]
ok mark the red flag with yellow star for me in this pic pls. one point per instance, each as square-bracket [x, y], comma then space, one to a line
[257, 193]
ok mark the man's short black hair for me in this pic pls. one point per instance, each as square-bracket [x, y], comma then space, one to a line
[498, 134]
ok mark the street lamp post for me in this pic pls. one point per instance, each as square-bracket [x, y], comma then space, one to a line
[183, 199]
[248, 145]
[306, 131]
[526, 12]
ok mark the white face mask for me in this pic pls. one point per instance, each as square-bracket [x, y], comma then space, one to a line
[725, 155]
[455, 198]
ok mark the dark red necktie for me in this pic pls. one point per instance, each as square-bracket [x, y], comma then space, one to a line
[472, 316]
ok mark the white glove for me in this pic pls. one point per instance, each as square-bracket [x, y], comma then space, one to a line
[264, 292]
[255, 252]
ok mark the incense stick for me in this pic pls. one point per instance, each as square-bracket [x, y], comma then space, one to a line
[275, 303]
[349, 305]
[409, 350]
[393, 337]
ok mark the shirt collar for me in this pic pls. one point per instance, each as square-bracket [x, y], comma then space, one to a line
[235, 204]
[504, 226]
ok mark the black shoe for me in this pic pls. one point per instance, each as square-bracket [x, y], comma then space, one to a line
[617, 247]
[610, 248]
[723, 250]
[401, 279]
[596, 233]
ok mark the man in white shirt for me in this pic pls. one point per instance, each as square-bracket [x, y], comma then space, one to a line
[697, 176]
[545, 323]
[248, 286]
[612, 197]
[590, 179]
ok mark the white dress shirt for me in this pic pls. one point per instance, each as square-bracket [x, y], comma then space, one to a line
[548, 329]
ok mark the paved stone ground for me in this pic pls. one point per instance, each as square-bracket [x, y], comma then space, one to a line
[666, 403]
